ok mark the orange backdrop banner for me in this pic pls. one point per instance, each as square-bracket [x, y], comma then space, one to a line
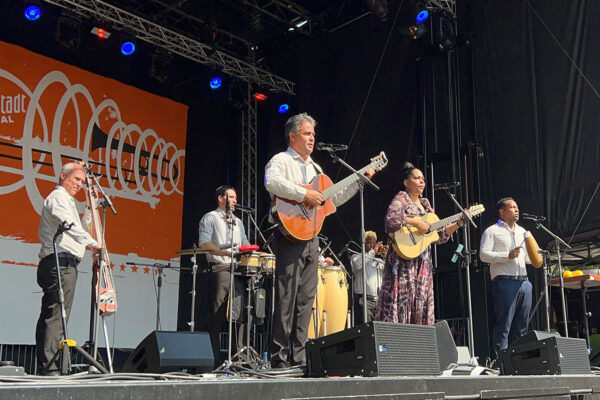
[52, 113]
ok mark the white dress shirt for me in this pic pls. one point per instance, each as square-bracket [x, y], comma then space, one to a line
[287, 170]
[497, 241]
[374, 267]
[215, 229]
[60, 206]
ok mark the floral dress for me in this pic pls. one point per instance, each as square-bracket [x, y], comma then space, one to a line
[406, 294]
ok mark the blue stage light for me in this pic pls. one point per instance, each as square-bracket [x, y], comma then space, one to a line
[422, 16]
[215, 83]
[283, 108]
[33, 13]
[128, 48]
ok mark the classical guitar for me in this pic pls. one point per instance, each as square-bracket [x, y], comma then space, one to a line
[409, 243]
[300, 221]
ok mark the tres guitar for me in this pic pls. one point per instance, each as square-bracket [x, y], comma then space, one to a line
[409, 243]
[299, 221]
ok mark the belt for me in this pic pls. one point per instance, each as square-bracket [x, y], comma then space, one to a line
[63, 255]
[214, 267]
[372, 298]
[512, 277]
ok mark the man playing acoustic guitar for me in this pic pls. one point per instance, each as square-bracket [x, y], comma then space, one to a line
[297, 260]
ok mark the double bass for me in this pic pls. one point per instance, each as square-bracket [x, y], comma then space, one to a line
[102, 274]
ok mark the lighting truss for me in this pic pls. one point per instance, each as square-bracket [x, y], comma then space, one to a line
[446, 5]
[285, 12]
[249, 168]
[176, 43]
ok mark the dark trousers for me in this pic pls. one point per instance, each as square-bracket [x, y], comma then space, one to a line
[295, 288]
[358, 309]
[219, 294]
[49, 331]
[512, 303]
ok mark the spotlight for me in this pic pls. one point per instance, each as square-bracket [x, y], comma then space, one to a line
[128, 48]
[283, 108]
[422, 16]
[379, 8]
[260, 96]
[416, 31]
[100, 32]
[33, 12]
[215, 83]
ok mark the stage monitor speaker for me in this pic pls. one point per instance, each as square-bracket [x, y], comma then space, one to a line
[375, 349]
[163, 351]
[447, 351]
[542, 353]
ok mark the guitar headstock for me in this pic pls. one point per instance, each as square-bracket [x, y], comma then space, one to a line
[476, 210]
[379, 162]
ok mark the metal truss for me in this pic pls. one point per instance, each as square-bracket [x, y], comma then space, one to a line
[284, 12]
[446, 5]
[176, 43]
[249, 169]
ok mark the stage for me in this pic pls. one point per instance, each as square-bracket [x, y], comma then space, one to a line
[149, 387]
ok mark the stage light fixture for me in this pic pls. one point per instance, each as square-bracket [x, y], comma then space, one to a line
[283, 108]
[160, 68]
[259, 96]
[422, 16]
[128, 48]
[416, 31]
[100, 32]
[68, 32]
[379, 8]
[215, 83]
[33, 12]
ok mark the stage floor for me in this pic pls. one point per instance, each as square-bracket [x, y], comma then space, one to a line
[148, 387]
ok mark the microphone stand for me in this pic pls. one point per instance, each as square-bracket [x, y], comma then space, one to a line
[559, 241]
[361, 182]
[231, 224]
[467, 263]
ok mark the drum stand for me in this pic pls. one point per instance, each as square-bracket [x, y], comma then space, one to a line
[252, 358]
[361, 186]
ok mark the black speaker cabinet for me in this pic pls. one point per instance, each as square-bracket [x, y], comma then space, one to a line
[447, 351]
[375, 349]
[542, 353]
[163, 351]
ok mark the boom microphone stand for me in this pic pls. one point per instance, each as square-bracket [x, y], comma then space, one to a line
[361, 183]
[467, 263]
[66, 344]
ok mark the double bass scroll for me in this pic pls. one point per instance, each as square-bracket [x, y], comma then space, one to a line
[102, 274]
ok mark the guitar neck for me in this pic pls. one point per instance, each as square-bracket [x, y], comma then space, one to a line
[443, 222]
[343, 184]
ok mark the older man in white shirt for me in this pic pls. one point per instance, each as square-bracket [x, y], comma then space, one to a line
[501, 246]
[374, 268]
[60, 206]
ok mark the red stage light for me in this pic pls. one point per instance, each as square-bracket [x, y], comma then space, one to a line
[101, 33]
[260, 96]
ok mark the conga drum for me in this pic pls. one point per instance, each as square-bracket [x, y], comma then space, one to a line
[331, 302]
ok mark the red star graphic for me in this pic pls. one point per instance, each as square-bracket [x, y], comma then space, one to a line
[146, 270]
[112, 266]
[156, 272]
[134, 268]
[123, 267]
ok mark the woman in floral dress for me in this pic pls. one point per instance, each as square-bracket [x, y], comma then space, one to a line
[406, 294]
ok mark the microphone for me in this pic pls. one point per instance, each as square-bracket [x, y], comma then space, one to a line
[331, 147]
[244, 208]
[532, 217]
[446, 186]
[345, 249]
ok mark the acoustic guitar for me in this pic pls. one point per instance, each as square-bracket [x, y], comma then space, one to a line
[299, 221]
[409, 243]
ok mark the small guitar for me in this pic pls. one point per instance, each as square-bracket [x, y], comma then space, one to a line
[409, 243]
[299, 221]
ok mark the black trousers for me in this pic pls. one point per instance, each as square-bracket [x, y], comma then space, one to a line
[219, 292]
[295, 288]
[49, 331]
[358, 309]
